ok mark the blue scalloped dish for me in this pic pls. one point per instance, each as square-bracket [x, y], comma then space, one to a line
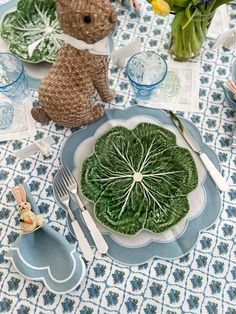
[183, 237]
[46, 255]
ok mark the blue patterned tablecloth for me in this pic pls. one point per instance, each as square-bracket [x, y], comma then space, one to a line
[203, 281]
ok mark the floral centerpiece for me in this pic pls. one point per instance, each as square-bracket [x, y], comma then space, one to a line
[190, 24]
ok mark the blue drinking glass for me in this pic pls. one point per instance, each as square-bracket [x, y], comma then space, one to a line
[13, 82]
[14, 89]
[146, 70]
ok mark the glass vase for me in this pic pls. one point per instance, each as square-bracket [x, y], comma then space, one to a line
[186, 42]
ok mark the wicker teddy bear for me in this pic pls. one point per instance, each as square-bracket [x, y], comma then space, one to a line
[66, 92]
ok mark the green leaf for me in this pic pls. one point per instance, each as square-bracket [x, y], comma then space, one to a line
[122, 209]
[28, 24]
[218, 3]
[188, 11]
[181, 3]
[190, 17]
[176, 119]
[176, 24]
[139, 179]
[195, 2]
[146, 133]
[113, 145]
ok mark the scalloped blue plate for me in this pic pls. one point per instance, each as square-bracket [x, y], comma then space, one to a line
[185, 241]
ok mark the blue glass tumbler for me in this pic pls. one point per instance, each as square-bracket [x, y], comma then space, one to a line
[13, 82]
[146, 70]
[14, 88]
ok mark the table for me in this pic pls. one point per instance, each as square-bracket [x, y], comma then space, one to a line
[202, 281]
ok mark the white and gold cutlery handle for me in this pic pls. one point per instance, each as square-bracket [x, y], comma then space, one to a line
[83, 242]
[95, 233]
[214, 173]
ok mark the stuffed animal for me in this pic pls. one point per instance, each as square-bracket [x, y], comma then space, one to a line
[28, 220]
[66, 92]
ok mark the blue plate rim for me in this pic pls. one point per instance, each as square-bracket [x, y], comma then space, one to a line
[139, 259]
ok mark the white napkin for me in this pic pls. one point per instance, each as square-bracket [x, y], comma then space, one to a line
[219, 23]
[23, 124]
[226, 39]
[184, 98]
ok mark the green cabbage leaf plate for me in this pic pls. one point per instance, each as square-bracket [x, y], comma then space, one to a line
[32, 20]
[139, 179]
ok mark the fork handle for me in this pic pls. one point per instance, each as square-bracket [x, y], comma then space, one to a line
[95, 233]
[83, 242]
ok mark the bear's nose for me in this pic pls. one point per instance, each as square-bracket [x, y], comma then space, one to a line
[87, 19]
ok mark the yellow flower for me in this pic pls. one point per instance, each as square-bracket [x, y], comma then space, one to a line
[160, 7]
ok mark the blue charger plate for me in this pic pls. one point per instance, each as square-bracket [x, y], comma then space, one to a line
[168, 250]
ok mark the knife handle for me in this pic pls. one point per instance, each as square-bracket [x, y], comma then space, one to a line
[95, 233]
[83, 242]
[214, 173]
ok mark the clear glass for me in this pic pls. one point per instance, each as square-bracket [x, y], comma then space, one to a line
[146, 70]
[187, 43]
[14, 90]
[13, 82]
